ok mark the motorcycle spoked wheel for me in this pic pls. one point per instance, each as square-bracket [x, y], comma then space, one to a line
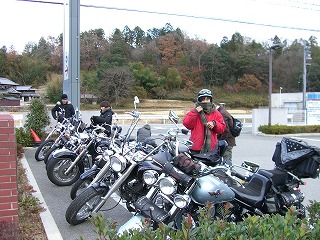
[82, 206]
[56, 168]
[43, 149]
[49, 153]
[79, 186]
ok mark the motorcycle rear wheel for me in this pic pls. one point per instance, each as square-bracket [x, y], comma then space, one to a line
[82, 206]
[79, 186]
[56, 168]
[43, 149]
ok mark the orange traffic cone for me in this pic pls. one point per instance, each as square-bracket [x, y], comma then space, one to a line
[36, 139]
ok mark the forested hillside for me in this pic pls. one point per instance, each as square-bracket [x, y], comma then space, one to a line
[165, 63]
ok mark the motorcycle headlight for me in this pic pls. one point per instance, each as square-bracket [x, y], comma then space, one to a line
[167, 185]
[117, 163]
[150, 177]
[181, 201]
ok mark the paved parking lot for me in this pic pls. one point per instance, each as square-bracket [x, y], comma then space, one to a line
[249, 147]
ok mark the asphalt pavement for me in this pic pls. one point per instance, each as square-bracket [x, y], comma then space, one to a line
[55, 199]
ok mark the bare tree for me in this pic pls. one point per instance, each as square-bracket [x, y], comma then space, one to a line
[116, 83]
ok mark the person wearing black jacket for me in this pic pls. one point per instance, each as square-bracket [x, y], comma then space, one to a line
[226, 135]
[62, 109]
[143, 133]
[105, 116]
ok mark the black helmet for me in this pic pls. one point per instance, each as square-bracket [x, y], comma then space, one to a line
[204, 93]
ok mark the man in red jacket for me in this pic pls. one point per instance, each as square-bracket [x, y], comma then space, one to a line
[205, 122]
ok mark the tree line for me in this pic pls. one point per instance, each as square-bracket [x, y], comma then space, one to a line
[165, 62]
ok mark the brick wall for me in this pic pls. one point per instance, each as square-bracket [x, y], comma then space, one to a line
[8, 170]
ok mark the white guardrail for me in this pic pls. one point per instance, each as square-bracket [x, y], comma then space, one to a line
[244, 118]
[123, 118]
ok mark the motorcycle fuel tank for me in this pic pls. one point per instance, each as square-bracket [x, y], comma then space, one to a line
[209, 188]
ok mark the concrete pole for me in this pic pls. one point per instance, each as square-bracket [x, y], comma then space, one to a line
[304, 78]
[270, 85]
[71, 52]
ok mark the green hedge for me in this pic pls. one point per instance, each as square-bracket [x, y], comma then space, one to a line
[253, 228]
[284, 129]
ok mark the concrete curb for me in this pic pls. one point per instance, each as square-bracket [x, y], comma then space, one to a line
[50, 226]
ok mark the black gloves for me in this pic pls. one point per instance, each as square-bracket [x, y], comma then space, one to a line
[93, 120]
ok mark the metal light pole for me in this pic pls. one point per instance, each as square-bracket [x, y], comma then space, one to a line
[273, 47]
[306, 57]
[280, 97]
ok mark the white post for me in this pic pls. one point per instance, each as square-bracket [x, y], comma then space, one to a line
[280, 97]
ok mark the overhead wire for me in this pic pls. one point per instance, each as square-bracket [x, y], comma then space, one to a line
[182, 15]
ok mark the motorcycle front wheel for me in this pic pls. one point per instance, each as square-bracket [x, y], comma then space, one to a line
[79, 186]
[56, 168]
[82, 206]
[49, 153]
[43, 149]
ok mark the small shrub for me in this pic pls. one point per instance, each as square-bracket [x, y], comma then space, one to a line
[314, 212]
[37, 118]
[23, 137]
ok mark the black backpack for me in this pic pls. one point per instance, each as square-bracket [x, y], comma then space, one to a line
[236, 128]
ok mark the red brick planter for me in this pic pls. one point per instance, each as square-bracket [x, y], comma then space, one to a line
[8, 170]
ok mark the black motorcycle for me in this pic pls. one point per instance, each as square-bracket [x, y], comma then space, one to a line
[123, 173]
[178, 193]
[65, 166]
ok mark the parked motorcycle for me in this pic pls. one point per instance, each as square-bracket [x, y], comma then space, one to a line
[177, 191]
[62, 129]
[261, 192]
[123, 173]
[88, 176]
[65, 166]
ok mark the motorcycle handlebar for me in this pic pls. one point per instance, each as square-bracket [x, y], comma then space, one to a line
[134, 114]
[238, 175]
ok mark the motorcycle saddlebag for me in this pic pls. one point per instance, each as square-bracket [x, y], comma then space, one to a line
[297, 156]
[150, 210]
[186, 164]
[308, 167]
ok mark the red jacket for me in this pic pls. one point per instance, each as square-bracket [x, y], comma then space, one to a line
[193, 122]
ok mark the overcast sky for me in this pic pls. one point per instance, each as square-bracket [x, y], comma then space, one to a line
[26, 21]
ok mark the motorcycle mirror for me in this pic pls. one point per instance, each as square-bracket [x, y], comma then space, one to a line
[136, 101]
[185, 131]
[173, 117]
[253, 166]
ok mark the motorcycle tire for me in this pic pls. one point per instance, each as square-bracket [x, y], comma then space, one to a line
[81, 207]
[56, 168]
[79, 186]
[49, 152]
[43, 149]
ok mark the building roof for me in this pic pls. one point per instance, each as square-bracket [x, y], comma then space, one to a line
[25, 88]
[5, 81]
[29, 94]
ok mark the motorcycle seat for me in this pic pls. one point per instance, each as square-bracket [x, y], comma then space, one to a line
[254, 191]
[277, 176]
[209, 158]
